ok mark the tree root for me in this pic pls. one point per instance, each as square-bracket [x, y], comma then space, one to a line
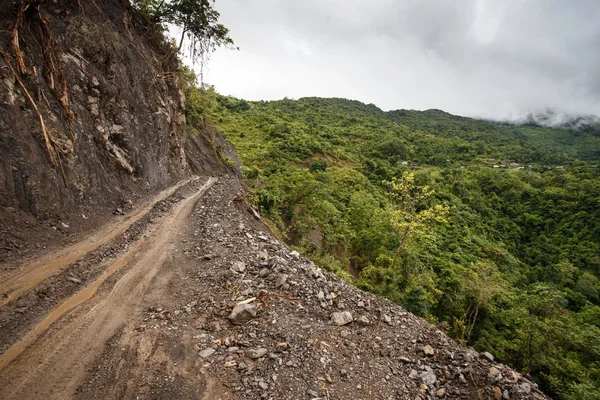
[15, 40]
[53, 63]
[50, 146]
[50, 44]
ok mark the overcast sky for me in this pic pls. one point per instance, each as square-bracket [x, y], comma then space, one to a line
[485, 58]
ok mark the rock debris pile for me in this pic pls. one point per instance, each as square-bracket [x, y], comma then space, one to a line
[261, 322]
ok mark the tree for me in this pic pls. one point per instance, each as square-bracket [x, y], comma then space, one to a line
[411, 212]
[197, 19]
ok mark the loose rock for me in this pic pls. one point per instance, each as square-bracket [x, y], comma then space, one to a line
[486, 356]
[256, 353]
[341, 318]
[242, 313]
[207, 353]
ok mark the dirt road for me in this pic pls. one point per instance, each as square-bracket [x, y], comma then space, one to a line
[18, 281]
[48, 363]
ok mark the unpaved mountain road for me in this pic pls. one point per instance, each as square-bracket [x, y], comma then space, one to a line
[17, 281]
[50, 366]
[154, 321]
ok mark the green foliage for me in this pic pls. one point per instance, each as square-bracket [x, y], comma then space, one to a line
[508, 257]
[416, 302]
[197, 19]
[318, 166]
[201, 101]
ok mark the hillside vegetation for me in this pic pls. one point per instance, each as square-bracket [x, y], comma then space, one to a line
[490, 230]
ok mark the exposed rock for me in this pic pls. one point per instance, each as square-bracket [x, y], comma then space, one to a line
[242, 313]
[486, 356]
[256, 353]
[341, 318]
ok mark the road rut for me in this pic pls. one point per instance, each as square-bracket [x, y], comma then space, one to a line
[50, 360]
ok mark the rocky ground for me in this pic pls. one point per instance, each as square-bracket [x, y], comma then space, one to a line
[232, 313]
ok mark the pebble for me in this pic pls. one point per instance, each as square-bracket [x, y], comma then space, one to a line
[497, 393]
[282, 279]
[238, 267]
[428, 350]
[428, 378]
[264, 273]
[282, 346]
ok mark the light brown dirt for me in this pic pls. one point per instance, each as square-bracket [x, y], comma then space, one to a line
[50, 367]
[18, 281]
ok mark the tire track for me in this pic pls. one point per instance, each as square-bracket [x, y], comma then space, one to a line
[21, 280]
[50, 364]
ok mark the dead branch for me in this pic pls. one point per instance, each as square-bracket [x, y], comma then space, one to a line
[262, 296]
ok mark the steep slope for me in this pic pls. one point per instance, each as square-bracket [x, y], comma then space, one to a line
[91, 119]
[512, 266]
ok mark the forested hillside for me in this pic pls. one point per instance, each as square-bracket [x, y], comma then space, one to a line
[490, 230]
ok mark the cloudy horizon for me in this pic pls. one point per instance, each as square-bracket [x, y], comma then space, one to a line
[473, 57]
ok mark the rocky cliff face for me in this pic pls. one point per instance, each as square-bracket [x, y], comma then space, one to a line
[90, 116]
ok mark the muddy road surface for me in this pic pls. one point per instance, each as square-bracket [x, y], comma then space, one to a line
[52, 357]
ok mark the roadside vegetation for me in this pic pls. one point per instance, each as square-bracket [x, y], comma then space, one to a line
[490, 230]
